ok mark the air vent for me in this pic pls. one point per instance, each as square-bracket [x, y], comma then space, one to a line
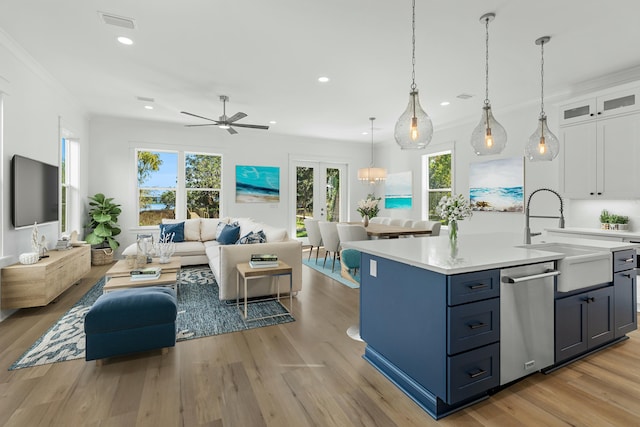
[464, 96]
[118, 21]
[145, 99]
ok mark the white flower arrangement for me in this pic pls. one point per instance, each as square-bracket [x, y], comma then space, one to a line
[453, 208]
[369, 206]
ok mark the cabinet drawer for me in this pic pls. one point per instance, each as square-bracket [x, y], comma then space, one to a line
[470, 287]
[624, 260]
[473, 325]
[473, 372]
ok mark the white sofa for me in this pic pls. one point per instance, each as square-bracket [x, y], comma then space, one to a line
[201, 247]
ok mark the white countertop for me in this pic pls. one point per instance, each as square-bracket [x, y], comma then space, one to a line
[632, 235]
[476, 252]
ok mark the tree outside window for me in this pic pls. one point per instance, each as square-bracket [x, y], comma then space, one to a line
[438, 181]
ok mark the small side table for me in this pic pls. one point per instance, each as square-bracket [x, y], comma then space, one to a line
[246, 272]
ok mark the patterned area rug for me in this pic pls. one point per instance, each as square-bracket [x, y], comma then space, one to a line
[200, 314]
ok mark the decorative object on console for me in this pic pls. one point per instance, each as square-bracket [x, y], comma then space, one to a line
[257, 184]
[398, 191]
[489, 137]
[103, 218]
[497, 185]
[413, 129]
[29, 258]
[453, 209]
[372, 174]
[542, 145]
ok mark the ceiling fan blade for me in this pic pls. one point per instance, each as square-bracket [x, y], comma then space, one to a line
[232, 131]
[242, 125]
[236, 116]
[200, 117]
[206, 124]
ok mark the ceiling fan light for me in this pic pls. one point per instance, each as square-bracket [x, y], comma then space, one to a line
[224, 126]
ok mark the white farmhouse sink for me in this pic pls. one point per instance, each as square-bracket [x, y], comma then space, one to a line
[582, 266]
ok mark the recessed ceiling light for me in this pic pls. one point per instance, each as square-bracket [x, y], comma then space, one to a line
[323, 79]
[445, 103]
[365, 133]
[125, 40]
[149, 107]
[465, 96]
[272, 122]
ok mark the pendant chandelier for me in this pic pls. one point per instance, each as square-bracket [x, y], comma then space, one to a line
[489, 137]
[414, 128]
[542, 145]
[372, 174]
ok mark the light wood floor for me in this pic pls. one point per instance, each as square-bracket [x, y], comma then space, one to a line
[304, 373]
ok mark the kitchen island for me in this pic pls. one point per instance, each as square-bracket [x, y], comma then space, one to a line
[431, 317]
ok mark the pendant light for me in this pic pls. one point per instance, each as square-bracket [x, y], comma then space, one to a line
[489, 137]
[372, 174]
[542, 145]
[414, 128]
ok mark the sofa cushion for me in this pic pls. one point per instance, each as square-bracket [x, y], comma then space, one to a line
[208, 227]
[174, 232]
[191, 227]
[189, 249]
[247, 225]
[252, 237]
[229, 234]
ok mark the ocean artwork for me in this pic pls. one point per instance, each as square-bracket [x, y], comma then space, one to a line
[497, 185]
[397, 191]
[257, 184]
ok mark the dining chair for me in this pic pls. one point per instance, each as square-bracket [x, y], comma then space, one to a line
[330, 241]
[401, 222]
[351, 232]
[313, 234]
[378, 220]
[434, 226]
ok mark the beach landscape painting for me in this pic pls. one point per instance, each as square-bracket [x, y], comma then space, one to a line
[497, 185]
[257, 184]
[397, 191]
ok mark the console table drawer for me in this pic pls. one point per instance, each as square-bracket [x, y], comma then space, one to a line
[473, 372]
[473, 325]
[470, 287]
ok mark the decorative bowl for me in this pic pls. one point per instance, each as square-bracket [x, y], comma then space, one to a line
[29, 258]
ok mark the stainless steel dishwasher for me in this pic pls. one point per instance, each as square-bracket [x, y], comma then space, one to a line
[526, 320]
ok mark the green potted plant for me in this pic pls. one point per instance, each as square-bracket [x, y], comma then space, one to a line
[103, 219]
[605, 219]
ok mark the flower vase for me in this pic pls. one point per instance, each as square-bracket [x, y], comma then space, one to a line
[453, 233]
[366, 220]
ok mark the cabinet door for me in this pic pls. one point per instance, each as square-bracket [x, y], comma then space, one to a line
[618, 103]
[625, 316]
[571, 327]
[578, 111]
[600, 317]
[619, 156]
[578, 176]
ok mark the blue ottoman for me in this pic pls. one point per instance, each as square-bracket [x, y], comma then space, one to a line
[129, 321]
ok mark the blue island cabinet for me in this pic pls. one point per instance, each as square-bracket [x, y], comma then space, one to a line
[436, 336]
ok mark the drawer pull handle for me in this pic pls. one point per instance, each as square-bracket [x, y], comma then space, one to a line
[628, 260]
[479, 286]
[477, 374]
[478, 325]
[627, 275]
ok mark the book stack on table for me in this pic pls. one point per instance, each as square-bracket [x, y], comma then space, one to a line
[149, 273]
[263, 260]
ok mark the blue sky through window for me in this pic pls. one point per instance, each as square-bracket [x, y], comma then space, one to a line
[167, 175]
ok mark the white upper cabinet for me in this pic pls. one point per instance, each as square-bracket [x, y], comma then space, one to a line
[600, 147]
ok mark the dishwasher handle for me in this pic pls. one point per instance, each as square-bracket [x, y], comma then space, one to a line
[549, 273]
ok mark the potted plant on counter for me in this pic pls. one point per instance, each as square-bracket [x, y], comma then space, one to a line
[103, 219]
[604, 219]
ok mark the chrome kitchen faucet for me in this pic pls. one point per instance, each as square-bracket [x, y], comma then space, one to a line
[527, 231]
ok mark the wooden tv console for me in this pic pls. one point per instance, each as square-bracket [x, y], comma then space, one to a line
[36, 285]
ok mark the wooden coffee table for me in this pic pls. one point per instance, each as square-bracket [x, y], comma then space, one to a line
[118, 276]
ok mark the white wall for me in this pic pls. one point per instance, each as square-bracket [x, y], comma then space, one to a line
[33, 105]
[113, 167]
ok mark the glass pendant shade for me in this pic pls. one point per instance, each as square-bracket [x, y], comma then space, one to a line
[489, 137]
[372, 175]
[414, 128]
[542, 145]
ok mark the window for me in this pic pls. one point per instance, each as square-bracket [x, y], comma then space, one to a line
[174, 184]
[437, 178]
[64, 185]
[69, 173]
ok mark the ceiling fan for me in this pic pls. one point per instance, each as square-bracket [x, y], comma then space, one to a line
[225, 122]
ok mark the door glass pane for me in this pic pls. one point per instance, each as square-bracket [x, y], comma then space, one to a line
[304, 198]
[333, 195]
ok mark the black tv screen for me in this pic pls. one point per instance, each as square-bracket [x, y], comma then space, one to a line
[34, 196]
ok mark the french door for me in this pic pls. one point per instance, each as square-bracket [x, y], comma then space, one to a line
[321, 190]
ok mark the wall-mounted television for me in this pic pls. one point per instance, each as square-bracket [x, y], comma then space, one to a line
[34, 192]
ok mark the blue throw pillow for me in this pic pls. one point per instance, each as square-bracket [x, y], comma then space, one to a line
[229, 235]
[177, 230]
[252, 237]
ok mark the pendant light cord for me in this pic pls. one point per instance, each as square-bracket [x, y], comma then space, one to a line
[372, 119]
[486, 67]
[413, 50]
[542, 113]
